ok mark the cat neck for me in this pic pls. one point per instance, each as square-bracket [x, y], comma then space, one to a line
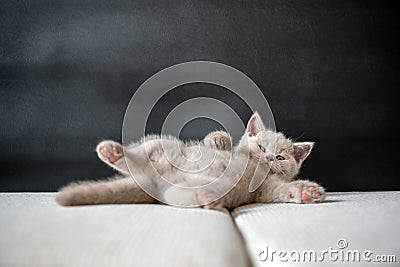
[243, 146]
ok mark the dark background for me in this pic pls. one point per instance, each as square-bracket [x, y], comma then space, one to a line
[68, 69]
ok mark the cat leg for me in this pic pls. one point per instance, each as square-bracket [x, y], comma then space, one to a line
[203, 198]
[177, 196]
[219, 140]
[207, 200]
[303, 191]
[111, 153]
[219, 196]
[299, 191]
[116, 190]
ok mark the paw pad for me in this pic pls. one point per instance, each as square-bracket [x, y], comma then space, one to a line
[204, 199]
[305, 195]
[309, 192]
[110, 151]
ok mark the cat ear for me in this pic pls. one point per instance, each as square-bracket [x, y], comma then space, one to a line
[255, 125]
[302, 150]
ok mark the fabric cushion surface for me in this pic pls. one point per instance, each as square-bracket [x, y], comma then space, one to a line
[346, 222]
[35, 231]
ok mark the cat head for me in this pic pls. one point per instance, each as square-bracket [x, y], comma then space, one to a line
[281, 154]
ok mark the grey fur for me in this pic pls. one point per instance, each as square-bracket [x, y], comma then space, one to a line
[247, 158]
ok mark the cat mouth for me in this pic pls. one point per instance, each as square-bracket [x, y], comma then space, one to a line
[269, 163]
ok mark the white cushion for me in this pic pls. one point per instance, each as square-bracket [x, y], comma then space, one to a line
[35, 231]
[366, 221]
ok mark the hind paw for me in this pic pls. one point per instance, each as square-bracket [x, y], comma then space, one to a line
[206, 200]
[109, 151]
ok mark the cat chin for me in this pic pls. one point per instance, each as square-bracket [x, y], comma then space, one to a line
[268, 167]
[269, 164]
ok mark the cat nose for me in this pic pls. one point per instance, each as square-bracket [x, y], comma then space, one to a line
[270, 158]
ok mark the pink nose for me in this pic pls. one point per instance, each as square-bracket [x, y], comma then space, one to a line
[270, 158]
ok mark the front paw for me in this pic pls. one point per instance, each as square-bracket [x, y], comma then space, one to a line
[219, 140]
[305, 192]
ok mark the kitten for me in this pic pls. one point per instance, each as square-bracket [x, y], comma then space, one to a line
[253, 155]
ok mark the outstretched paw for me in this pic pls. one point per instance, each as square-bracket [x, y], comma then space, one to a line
[306, 192]
[219, 140]
[206, 199]
[109, 151]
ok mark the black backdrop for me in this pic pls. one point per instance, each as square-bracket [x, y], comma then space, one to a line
[329, 70]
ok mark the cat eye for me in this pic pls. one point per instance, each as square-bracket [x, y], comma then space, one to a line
[261, 148]
[279, 157]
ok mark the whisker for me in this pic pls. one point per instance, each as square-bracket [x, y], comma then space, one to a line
[297, 138]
